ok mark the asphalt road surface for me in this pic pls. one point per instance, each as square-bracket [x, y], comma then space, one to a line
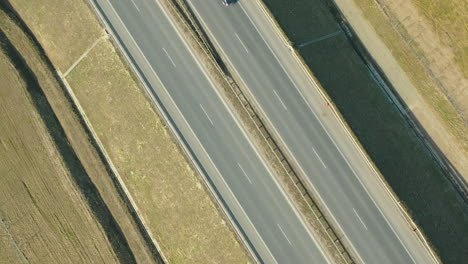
[261, 210]
[314, 138]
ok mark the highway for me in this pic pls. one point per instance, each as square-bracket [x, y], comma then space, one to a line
[313, 137]
[260, 209]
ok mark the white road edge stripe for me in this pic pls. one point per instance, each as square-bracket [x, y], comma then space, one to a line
[243, 45]
[247, 176]
[196, 138]
[336, 146]
[281, 101]
[284, 234]
[207, 116]
[362, 222]
[325, 254]
[169, 56]
[240, 127]
[316, 154]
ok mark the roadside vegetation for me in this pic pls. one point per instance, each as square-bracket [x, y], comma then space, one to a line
[169, 195]
[429, 41]
[448, 19]
[44, 216]
[406, 165]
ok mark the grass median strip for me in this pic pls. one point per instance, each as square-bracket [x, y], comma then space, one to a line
[258, 132]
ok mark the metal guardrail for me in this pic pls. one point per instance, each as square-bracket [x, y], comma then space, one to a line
[347, 28]
[273, 146]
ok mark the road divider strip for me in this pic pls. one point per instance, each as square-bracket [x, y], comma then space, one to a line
[272, 152]
[345, 126]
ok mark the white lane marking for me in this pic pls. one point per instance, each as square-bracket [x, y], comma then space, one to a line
[213, 86]
[312, 236]
[138, 9]
[286, 146]
[207, 116]
[336, 146]
[281, 101]
[326, 255]
[316, 154]
[362, 222]
[284, 234]
[243, 45]
[247, 176]
[169, 56]
[190, 128]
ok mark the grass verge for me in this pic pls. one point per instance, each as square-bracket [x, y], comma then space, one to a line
[44, 216]
[406, 54]
[90, 171]
[449, 21]
[245, 112]
[398, 154]
[65, 29]
[186, 223]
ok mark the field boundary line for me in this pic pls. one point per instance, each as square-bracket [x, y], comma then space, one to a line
[348, 130]
[104, 36]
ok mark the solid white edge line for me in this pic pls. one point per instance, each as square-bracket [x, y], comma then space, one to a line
[336, 146]
[327, 256]
[232, 115]
[401, 210]
[190, 128]
[319, 245]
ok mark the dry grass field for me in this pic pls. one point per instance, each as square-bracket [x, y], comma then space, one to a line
[44, 218]
[430, 41]
[64, 28]
[169, 195]
[8, 251]
[89, 172]
[448, 19]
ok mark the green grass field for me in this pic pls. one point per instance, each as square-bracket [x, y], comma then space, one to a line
[402, 159]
